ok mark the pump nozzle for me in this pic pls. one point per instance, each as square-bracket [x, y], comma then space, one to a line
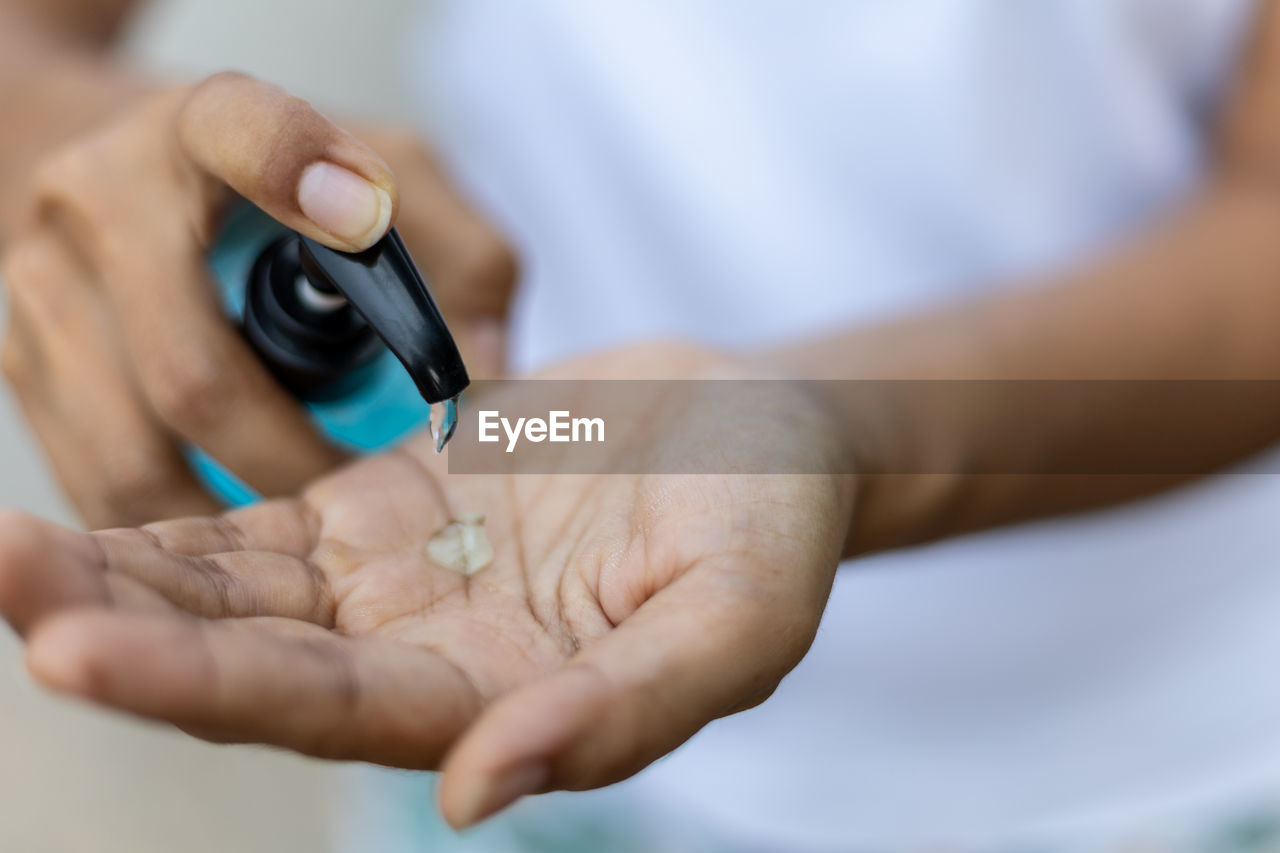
[312, 313]
[384, 286]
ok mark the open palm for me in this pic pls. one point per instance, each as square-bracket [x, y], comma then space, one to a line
[620, 615]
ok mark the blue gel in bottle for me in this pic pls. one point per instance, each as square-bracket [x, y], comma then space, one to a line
[356, 337]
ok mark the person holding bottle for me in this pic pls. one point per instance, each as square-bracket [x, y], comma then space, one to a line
[833, 190]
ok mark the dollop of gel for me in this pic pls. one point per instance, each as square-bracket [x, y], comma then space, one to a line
[462, 546]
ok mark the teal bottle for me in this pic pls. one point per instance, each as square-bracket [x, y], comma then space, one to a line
[356, 337]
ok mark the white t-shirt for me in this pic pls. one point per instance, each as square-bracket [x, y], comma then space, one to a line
[746, 171]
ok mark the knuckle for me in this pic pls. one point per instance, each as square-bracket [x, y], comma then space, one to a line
[294, 137]
[49, 181]
[212, 91]
[295, 123]
[135, 479]
[191, 391]
[75, 183]
[280, 132]
[295, 118]
[64, 176]
[206, 97]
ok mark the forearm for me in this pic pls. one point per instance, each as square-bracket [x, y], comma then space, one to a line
[1198, 297]
[57, 78]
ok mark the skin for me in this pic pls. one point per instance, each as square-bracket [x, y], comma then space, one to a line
[621, 614]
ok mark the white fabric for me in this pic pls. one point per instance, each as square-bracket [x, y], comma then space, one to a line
[746, 171]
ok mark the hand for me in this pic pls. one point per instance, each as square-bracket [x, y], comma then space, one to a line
[620, 615]
[117, 347]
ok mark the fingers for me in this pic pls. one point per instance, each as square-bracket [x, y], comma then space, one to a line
[251, 562]
[219, 586]
[115, 461]
[279, 153]
[262, 680]
[198, 376]
[126, 221]
[135, 206]
[700, 649]
[46, 569]
[283, 526]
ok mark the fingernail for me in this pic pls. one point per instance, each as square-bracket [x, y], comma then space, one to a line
[344, 204]
[496, 794]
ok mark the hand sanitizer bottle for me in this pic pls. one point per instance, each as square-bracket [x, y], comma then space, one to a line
[356, 337]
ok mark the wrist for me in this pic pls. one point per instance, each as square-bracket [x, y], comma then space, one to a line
[857, 434]
[906, 470]
[888, 507]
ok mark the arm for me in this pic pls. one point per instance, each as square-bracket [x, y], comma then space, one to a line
[57, 78]
[1197, 296]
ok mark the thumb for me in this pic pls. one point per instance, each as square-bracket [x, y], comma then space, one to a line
[278, 152]
[707, 646]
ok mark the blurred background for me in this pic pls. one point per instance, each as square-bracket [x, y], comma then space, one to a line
[79, 779]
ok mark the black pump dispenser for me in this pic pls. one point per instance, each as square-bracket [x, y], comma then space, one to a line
[317, 317]
[383, 284]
